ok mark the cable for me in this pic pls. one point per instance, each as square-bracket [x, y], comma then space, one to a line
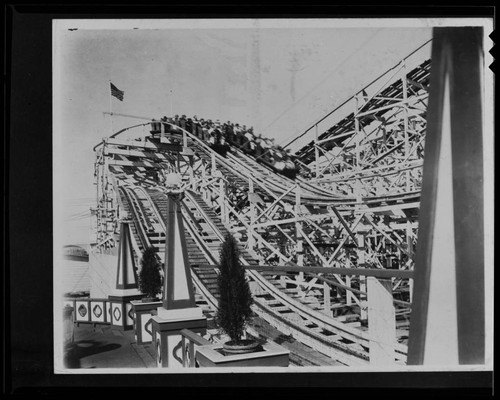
[346, 101]
[323, 80]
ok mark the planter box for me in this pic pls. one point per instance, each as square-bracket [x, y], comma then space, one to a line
[272, 355]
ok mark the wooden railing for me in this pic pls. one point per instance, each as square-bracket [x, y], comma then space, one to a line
[90, 311]
[189, 341]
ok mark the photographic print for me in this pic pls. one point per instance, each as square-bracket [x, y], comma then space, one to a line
[272, 195]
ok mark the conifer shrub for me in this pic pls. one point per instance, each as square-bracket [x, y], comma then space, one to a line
[150, 281]
[235, 297]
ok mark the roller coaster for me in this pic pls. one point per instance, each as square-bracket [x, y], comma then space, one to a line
[309, 241]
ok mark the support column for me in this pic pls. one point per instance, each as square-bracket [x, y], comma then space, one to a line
[251, 200]
[191, 168]
[222, 201]
[214, 164]
[357, 131]
[381, 321]
[361, 252]
[316, 150]
[143, 311]
[348, 293]
[126, 287]
[411, 250]
[448, 325]
[299, 239]
[410, 285]
[326, 299]
[405, 121]
[178, 310]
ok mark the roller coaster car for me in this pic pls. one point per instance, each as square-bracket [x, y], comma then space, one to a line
[173, 130]
[169, 129]
[155, 127]
[221, 149]
[289, 172]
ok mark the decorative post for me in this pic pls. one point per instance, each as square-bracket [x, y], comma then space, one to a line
[143, 311]
[126, 288]
[178, 310]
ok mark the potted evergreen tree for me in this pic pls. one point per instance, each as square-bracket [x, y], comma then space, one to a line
[232, 315]
[150, 281]
[235, 302]
[150, 284]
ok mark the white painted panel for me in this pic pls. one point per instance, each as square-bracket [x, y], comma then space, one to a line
[98, 311]
[180, 280]
[144, 318]
[82, 311]
[116, 314]
[174, 351]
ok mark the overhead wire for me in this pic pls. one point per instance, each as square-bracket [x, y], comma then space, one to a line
[346, 101]
[322, 81]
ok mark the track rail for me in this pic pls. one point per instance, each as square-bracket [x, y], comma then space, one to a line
[137, 227]
[333, 338]
[268, 183]
[279, 306]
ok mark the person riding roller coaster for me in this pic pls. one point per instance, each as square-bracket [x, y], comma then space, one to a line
[220, 136]
[165, 126]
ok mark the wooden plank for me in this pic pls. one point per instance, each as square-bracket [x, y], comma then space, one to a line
[380, 273]
[134, 153]
[134, 164]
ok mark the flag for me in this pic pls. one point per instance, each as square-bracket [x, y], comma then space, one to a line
[116, 92]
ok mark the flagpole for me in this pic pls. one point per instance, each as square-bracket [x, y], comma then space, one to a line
[171, 114]
[110, 107]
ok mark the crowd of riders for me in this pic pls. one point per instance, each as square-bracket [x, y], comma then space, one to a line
[221, 135]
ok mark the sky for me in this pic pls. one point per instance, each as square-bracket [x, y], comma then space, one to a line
[277, 76]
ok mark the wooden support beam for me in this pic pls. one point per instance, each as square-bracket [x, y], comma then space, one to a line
[398, 104]
[380, 273]
[134, 153]
[390, 151]
[349, 295]
[344, 224]
[417, 84]
[381, 322]
[326, 299]
[394, 169]
[448, 320]
[336, 137]
[127, 163]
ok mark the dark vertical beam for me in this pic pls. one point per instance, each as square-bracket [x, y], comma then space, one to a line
[456, 53]
[420, 304]
[467, 161]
